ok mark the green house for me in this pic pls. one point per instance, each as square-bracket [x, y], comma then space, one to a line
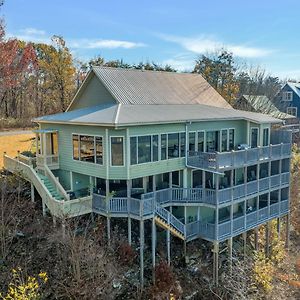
[164, 147]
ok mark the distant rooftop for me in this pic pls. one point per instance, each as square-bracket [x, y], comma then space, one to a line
[263, 104]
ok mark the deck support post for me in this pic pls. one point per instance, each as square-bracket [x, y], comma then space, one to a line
[108, 229]
[278, 228]
[153, 248]
[287, 235]
[44, 209]
[169, 242]
[216, 263]
[142, 253]
[244, 243]
[256, 238]
[267, 246]
[129, 183]
[54, 221]
[184, 250]
[63, 228]
[129, 231]
[32, 192]
[230, 240]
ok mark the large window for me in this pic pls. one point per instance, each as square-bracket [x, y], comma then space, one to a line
[192, 141]
[99, 150]
[117, 151]
[88, 148]
[254, 137]
[182, 144]
[163, 147]
[231, 139]
[154, 147]
[133, 150]
[266, 137]
[144, 149]
[201, 141]
[224, 137]
[173, 145]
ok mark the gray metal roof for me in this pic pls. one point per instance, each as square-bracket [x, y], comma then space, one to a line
[127, 115]
[130, 86]
[262, 104]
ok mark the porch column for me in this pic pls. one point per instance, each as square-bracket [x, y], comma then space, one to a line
[230, 240]
[129, 183]
[216, 263]
[153, 248]
[107, 194]
[169, 243]
[32, 192]
[71, 181]
[37, 143]
[142, 253]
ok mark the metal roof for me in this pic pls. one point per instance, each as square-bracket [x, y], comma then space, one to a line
[127, 115]
[263, 104]
[131, 86]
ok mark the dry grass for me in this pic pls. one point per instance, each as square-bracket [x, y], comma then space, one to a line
[12, 143]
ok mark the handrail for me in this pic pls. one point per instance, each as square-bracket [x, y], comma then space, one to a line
[56, 183]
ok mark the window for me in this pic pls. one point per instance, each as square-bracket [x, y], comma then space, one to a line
[175, 178]
[75, 147]
[182, 144]
[287, 96]
[212, 141]
[87, 148]
[266, 137]
[99, 150]
[173, 145]
[117, 155]
[231, 139]
[155, 148]
[224, 137]
[292, 111]
[144, 149]
[201, 141]
[163, 147]
[192, 141]
[133, 150]
[254, 137]
[54, 143]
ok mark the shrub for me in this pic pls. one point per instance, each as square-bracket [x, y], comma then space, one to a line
[126, 254]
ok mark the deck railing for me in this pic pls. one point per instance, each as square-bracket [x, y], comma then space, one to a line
[215, 161]
[52, 161]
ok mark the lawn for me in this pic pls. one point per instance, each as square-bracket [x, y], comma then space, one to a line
[12, 143]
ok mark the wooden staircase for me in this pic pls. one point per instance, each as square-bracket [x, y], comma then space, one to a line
[159, 221]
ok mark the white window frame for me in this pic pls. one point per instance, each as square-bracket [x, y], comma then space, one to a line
[79, 156]
[286, 94]
[251, 128]
[124, 159]
[292, 107]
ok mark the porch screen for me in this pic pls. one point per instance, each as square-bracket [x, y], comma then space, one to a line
[117, 151]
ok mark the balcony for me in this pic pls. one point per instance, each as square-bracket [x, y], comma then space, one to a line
[237, 225]
[220, 161]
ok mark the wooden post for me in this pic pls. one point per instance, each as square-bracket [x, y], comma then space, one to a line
[230, 240]
[153, 248]
[32, 192]
[267, 246]
[44, 208]
[169, 242]
[256, 238]
[107, 210]
[54, 221]
[278, 228]
[245, 243]
[142, 253]
[63, 227]
[287, 238]
[128, 207]
[216, 263]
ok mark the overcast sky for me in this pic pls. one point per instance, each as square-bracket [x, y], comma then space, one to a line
[171, 32]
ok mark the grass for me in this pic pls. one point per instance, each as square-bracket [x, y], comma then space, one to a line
[12, 143]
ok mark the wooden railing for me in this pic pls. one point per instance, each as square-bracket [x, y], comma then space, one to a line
[52, 161]
[58, 208]
[215, 161]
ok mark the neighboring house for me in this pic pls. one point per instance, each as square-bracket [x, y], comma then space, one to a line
[288, 99]
[261, 104]
[161, 147]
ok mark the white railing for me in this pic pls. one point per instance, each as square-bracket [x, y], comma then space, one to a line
[58, 208]
[234, 159]
[52, 161]
[30, 161]
[56, 183]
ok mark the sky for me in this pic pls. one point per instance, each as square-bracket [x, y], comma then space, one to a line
[257, 32]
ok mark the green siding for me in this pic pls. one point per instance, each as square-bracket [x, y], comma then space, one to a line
[92, 93]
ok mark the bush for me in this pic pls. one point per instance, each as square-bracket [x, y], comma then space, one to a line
[28, 153]
[126, 254]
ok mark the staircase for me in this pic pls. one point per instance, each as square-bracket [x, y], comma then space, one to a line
[50, 187]
[168, 221]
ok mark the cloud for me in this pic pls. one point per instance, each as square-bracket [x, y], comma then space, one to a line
[181, 62]
[40, 36]
[103, 44]
[202, 44]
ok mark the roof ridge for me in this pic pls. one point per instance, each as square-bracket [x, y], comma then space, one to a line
[116, 118]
